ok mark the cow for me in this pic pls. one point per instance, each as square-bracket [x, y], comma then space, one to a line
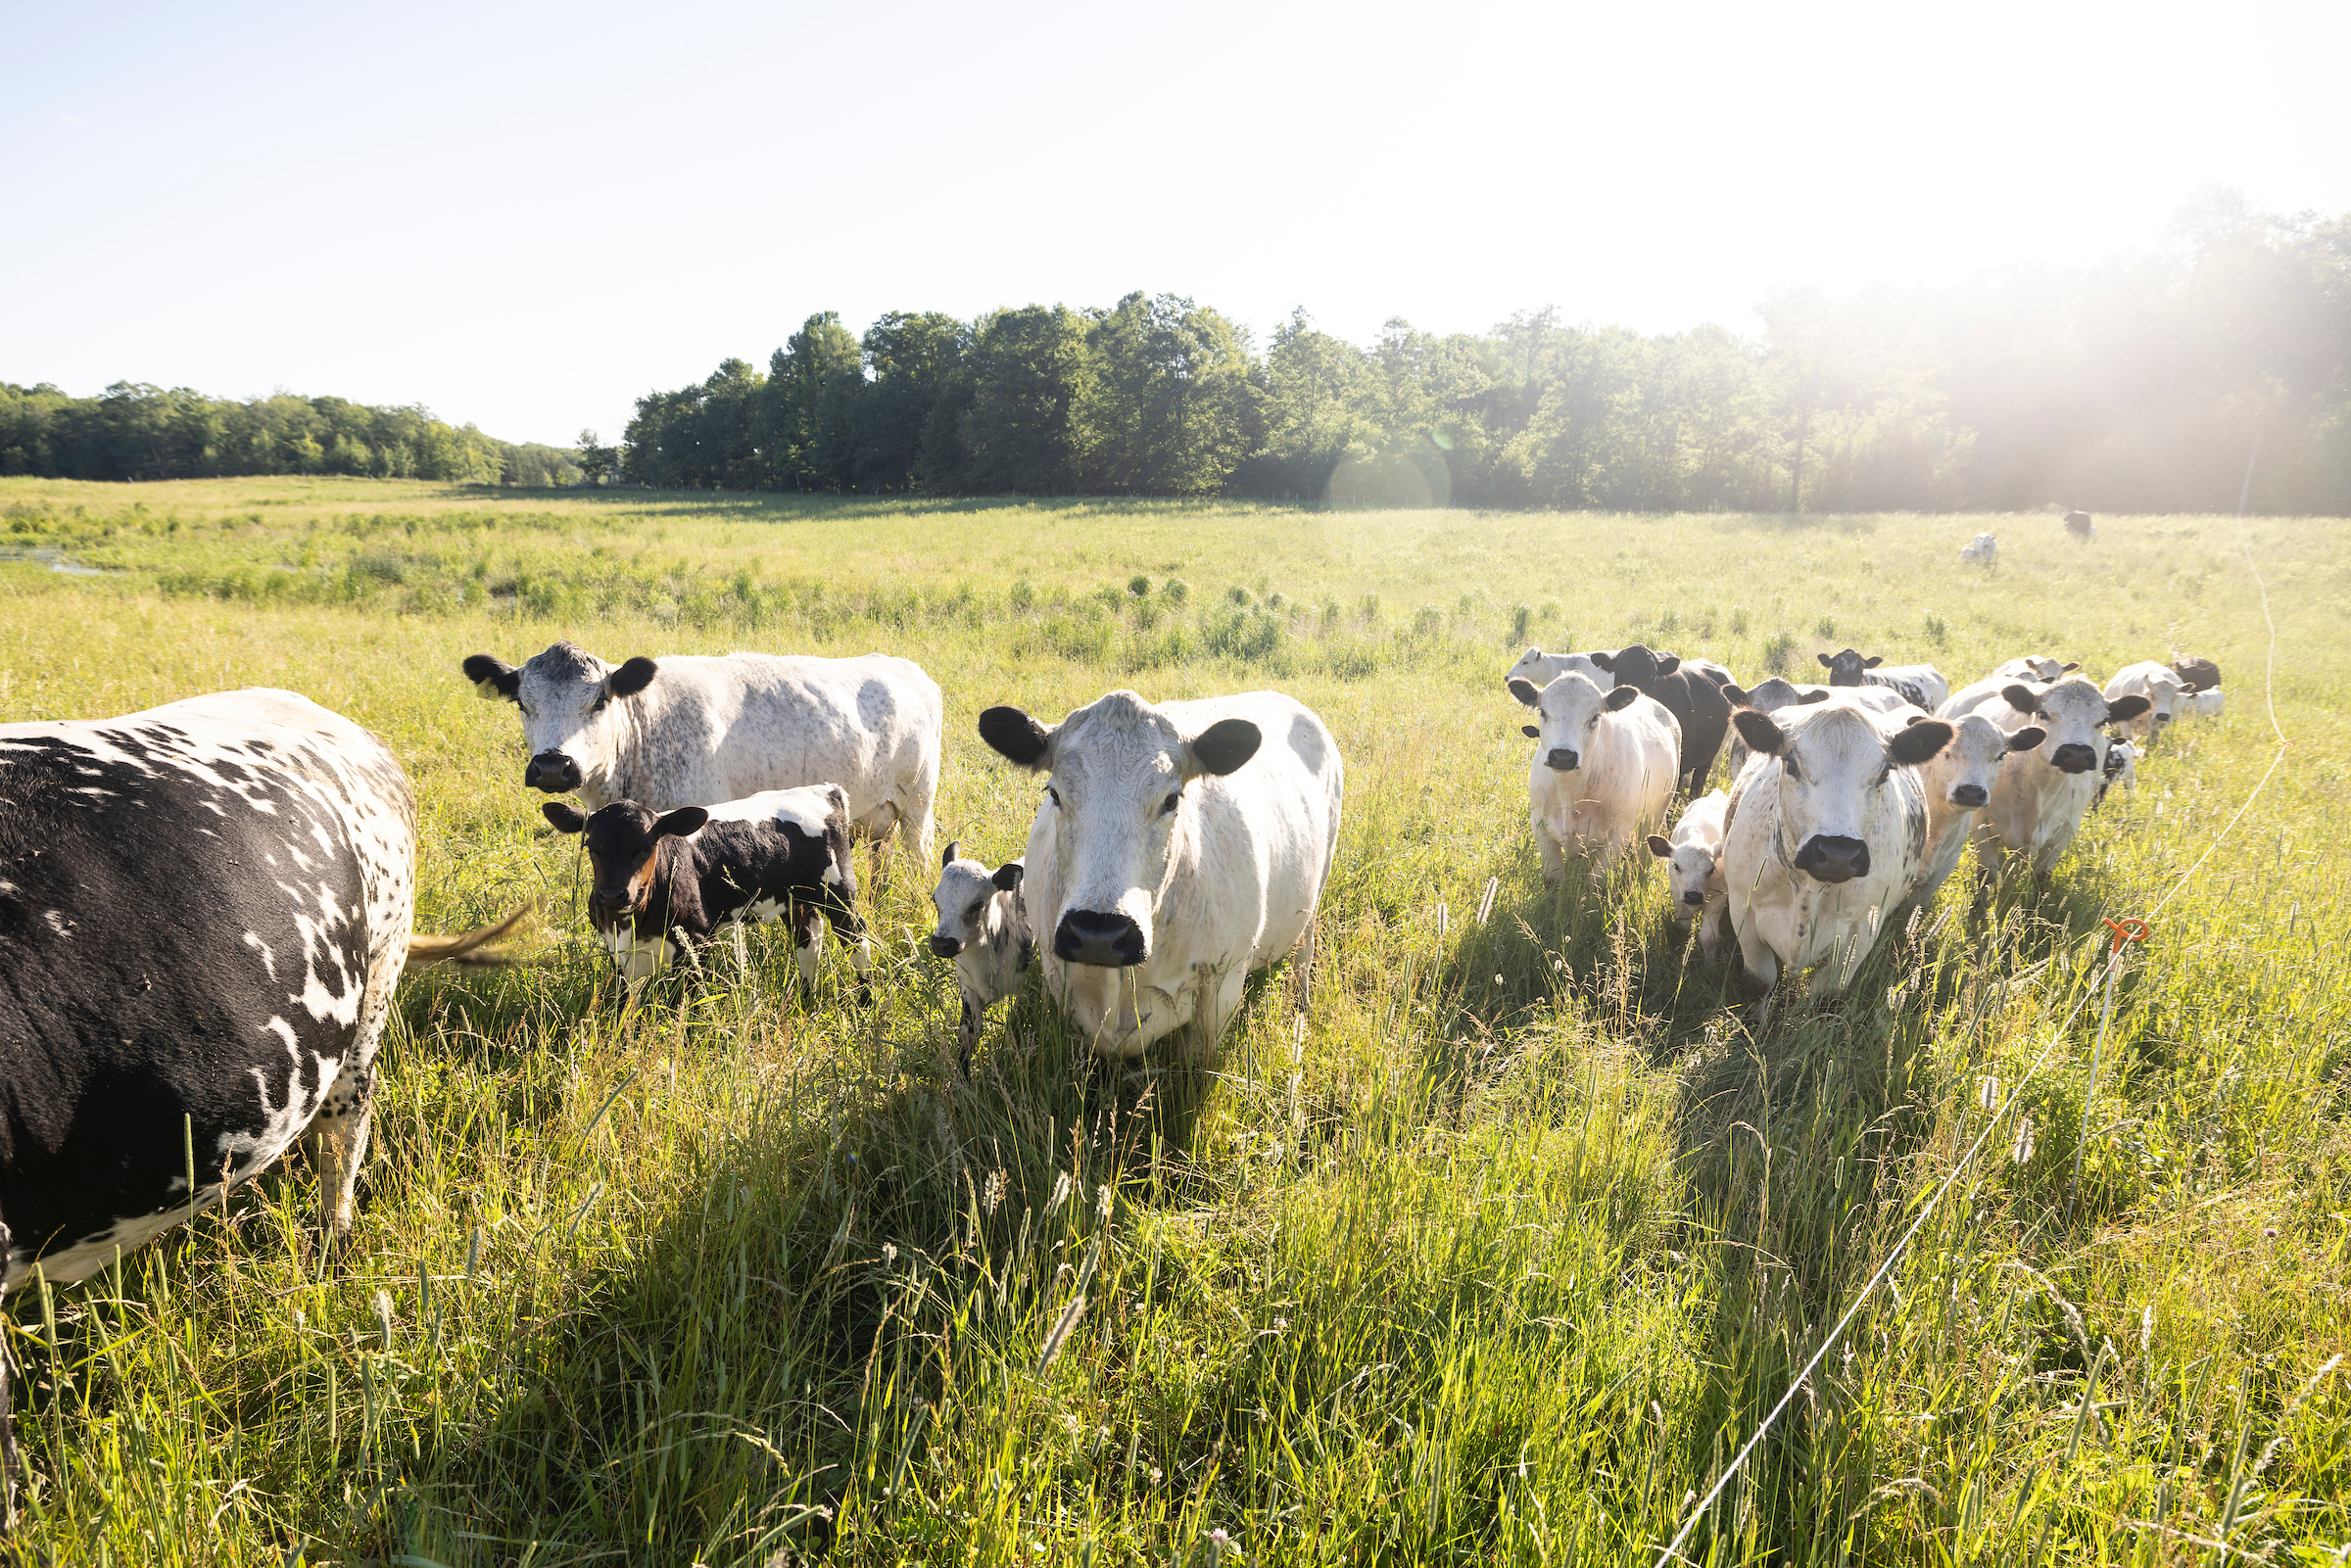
[2161, 686]
[1693, 859]
[1180, 845]
[1827, 832]
[1921, 685]
[1694, 699]
[203, 909]
[2202, 704]
[984, 927]
[2034, 667]
[2042, 795]
[2078, 524]
[662, 881]
[1604, 770]
[699, 731]
[1983, 548]
[1958, 781]
[1770, 696]
[2200, 673]
[1540, 669]
[2120, 767]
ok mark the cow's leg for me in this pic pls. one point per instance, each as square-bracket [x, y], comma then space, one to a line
[807, 939]
[337, 1142]
[8, 1418]
[848, 926]
[967, 1032]
[1554, 863]
[1762, 965]
[886, 824]
[1712, 922]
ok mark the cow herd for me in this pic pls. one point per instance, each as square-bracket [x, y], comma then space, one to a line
[204, 907]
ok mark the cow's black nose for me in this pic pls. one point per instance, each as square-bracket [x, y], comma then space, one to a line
[1970, 796]
[1105, 940]
[553, 773]
[1695, 898]
[1558, 759]
[2076, 758]
[946, 946]
[1827, 859]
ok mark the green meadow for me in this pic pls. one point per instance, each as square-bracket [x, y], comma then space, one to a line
[1481, 1239]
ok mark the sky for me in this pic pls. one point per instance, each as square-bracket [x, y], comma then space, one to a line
[526, 216]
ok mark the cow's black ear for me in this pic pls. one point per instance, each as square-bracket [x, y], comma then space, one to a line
[633, 676]
[1667, 663]
[1826, 662]
[1920, 741]
[566, 817]
[2023, 698]
[1819, 694]
[1660, 847]
[2025, 740]
[1734, 694]
[947, 856]
[1533, 732]
[1524, 690]
[1873, 661]
[2070, 665]
[1915, 718]
[683, 821]
[1008, 875]
[1016, 737]
[1759, 731]
[2122, 710]
[495, 679]
[1225, 745]
[1604, 661]
[1619, 699]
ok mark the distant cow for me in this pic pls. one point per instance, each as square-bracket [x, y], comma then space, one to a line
[1693, 859]
[2120, 767]
[204, 909]
[1983, 549]
[1603, 773]
[2164, 690]
[983, 927]
[2200, 673]
[1958, 782]
[2043, 794]
[1180, 846]
[1828, 831]
[696, 731]
[662, 881]
[2078, 524]
[1921, 685]
[2034, 667]
[1694, 697]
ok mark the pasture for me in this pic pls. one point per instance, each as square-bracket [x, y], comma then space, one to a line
[1483, 1240]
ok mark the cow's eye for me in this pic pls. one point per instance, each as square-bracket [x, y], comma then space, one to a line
[1053, 795]
[1793, 772]
[1167, 807]
[600, 704]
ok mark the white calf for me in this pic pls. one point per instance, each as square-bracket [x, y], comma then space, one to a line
[1604, 769]
[1693, 859]
[2120, 767]
[1982, 548]
[984, 929]
[2163, 689]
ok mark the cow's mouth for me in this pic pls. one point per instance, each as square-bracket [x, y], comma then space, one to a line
[1833, 860]
[2076, 758]
[1558, 759]
[1970, 796]
[1102, 939]
[552, 773]
[946, 946]
[1695, 899]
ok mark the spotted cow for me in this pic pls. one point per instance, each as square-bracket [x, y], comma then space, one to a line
[1921, 685]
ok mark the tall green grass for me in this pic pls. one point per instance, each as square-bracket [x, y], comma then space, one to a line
[1480, 1241]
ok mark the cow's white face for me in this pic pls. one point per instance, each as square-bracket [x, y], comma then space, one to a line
[1831, 775]
[1688, 866]
[2070, 714]
[1119, 770]
[965, 889]
[2166, 695]
[1962, 773]
[571, 704]
[1570, 706]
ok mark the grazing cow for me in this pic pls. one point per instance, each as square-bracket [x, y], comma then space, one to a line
[2034, 667]
[1540, 669]
[2120, 767]
[2205, 703]
[2078, 524]
[1921, 685]
[1982, 548]
[1958, 781]
[2200, 673]
[2042, 795]
[984, 929]
[2163, 689]
[1770, 696]
[1694, 699]
[204, 909]
[1827, 832]
[1693, 859]
[695, 731]
[1603, 773]
[664, 882]
[1180, 845]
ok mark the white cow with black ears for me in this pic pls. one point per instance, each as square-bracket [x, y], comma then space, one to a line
[1604, 770]
[2167, 694]
[1180, 846]
[2043, 794]
[984, 927]
[1827, 831]
[1693, 859]
[1958, 781]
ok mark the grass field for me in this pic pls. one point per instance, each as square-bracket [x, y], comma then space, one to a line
[1484, 1242]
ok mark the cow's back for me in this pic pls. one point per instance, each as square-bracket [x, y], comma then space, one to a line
[202, 908]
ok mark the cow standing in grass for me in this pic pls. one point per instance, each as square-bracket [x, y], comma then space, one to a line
[1701, 712]
[1958, 782]
[1693, 858]
[1603, 773]
[984, 927]
[2166, 695]
[2043, 794]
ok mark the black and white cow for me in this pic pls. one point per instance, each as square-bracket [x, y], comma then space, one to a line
[1694, 697]
[1921, 685]
[1180, 846]
[984, 927]
[696, 731]
[662, 881]
[204, 909]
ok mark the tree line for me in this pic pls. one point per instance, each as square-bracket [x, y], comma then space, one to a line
[2141, 384]
[136, 431]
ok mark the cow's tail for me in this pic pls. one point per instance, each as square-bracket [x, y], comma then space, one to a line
[469, 948]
